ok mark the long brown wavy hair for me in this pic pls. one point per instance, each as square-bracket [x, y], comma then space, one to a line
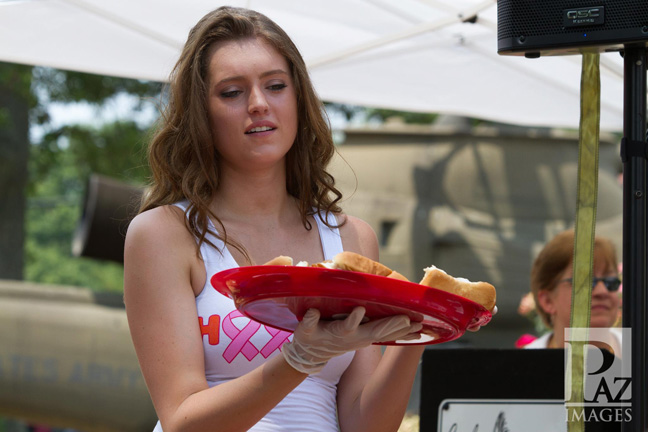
[182, 155]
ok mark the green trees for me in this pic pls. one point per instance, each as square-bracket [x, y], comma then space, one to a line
[16, 101]
[59, 171]
[61, 157]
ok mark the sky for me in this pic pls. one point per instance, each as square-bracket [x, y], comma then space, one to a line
[120, 107]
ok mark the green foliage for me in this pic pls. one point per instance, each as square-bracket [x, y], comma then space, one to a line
[407, 117]
[68, 86]
[59, 166]
[350, 112]
[115, 150]
[18, 78]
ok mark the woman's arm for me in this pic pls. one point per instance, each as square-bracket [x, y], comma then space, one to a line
[374, 391]
[373, 395]
[160, 271]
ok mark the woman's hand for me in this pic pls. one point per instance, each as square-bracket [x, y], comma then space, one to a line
[315, 342]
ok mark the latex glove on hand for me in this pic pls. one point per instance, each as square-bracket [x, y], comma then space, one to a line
[315, 342]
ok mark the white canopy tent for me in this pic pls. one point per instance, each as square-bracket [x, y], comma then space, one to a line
[411, 55]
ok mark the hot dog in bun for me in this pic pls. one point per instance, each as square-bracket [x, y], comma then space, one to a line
[355, 262]
[482, 293]
[280, 260]
[479, 292]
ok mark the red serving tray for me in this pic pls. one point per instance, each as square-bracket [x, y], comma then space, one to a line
[279, 296]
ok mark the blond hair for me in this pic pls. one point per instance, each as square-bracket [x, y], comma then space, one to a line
[554, 259]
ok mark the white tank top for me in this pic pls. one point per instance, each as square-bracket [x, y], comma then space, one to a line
[235, 345]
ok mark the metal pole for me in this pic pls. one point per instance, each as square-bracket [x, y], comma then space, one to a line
[634, 227]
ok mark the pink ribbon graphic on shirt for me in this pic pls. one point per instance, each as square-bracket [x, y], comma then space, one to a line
[278, 339]
[240, 338]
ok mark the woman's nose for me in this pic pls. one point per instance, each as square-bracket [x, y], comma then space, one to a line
[257, 102]
[599, 288]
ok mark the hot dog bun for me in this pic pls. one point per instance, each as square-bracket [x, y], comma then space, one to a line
[396, 275]
[479, 292]
[346, 261]
[280, 260]
[356, 262]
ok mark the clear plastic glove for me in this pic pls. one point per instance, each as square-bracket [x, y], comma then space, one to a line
[315, 342]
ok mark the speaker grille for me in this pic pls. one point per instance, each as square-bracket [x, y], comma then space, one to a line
[538, 18]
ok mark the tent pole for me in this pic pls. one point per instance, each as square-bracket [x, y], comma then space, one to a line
[634, 226]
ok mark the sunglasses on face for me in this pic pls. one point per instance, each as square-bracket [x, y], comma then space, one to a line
[612, 283]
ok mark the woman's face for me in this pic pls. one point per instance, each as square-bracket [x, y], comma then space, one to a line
[604, 307]
[252, 104]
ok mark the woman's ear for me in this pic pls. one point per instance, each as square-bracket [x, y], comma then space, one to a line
[546, 302]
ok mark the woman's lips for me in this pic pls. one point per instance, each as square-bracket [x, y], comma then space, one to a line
[259, 129]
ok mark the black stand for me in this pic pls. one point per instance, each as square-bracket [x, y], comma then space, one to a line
[633, 154]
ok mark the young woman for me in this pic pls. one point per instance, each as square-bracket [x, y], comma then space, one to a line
[239, 178]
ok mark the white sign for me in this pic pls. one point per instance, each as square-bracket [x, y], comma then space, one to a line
[497, 415]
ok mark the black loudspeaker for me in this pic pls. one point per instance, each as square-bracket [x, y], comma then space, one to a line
[562, 27]
[108, 207]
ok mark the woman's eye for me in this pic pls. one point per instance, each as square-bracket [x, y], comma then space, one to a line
[231, 93]
[277, 87]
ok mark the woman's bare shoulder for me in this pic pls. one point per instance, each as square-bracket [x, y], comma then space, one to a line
[157, 227]
[159, 248]
[358, 236]
[168, 216]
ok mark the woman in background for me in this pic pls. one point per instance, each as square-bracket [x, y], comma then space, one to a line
[551, 285]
